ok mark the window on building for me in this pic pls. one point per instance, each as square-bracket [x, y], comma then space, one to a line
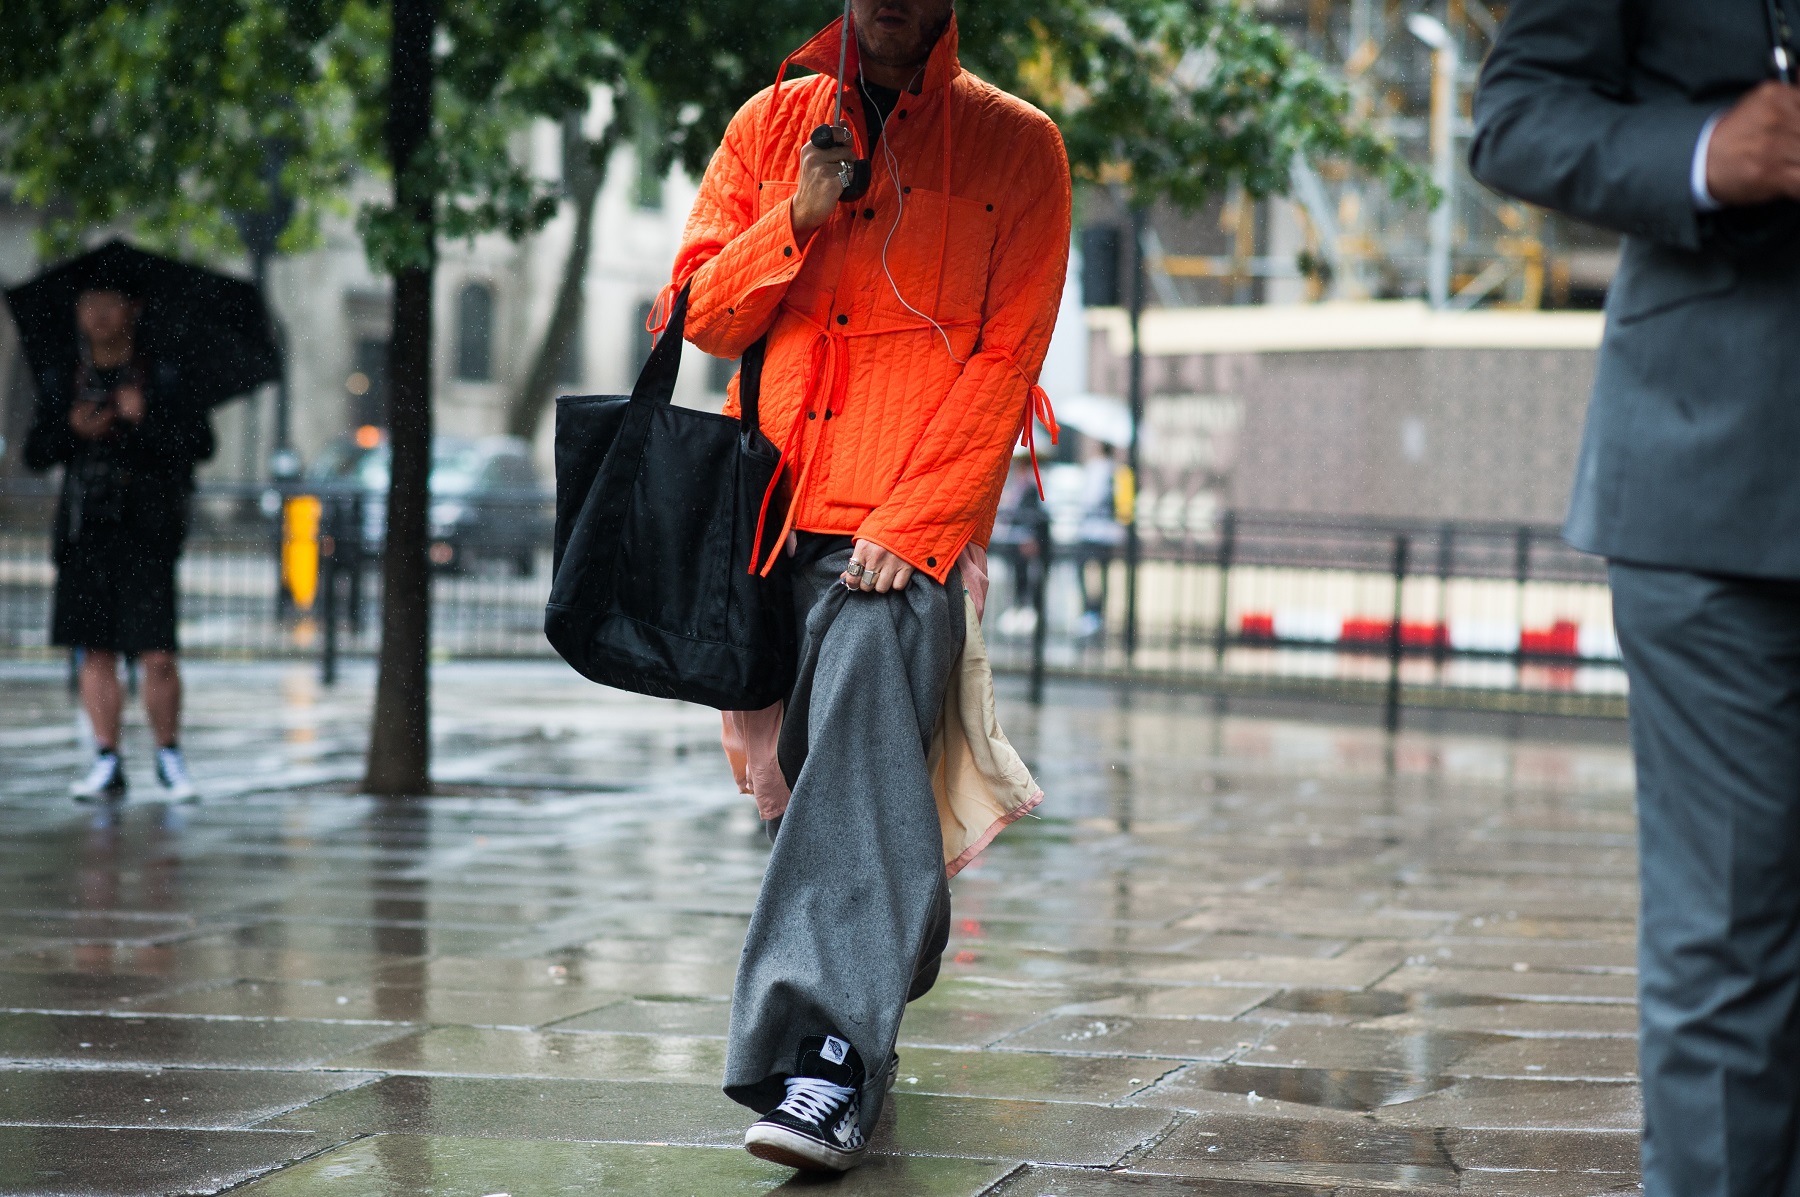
[475, 333]
[718, 374]
[641, 340]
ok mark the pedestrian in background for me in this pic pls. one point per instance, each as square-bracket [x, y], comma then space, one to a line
[905, 332]
[1678, 125]
[127, 443]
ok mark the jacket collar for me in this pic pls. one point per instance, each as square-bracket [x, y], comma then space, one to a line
[821, 55]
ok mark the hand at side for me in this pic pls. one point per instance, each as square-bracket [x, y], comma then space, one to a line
[881, 572]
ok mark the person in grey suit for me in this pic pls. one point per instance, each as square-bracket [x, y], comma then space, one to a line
[1676, 123]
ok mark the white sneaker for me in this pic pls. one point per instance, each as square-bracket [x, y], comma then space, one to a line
[105, 780]
[172, 772]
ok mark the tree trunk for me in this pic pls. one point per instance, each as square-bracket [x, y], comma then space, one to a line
[584, 170]
[400, 739]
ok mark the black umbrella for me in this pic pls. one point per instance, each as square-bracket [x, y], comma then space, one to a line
[213, 329]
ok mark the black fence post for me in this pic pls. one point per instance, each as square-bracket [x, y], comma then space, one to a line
[1440, 638]
[1227, 547]
[1521, 574]
[350, 545]
[284, 602]
[1040, 601]
[329, 523]
[1401, 547]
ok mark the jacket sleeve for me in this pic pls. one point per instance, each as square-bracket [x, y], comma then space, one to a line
[1556, 123]
[740, 265]
[50, 441]
[953, 482]
[173, 434]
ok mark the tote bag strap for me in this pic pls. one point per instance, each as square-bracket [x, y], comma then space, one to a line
[656, 382]
[750, 385]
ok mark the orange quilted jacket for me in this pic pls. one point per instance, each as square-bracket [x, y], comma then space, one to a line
[891, 429]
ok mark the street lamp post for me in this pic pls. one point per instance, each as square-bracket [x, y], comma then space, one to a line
[1133, 546]
[1445, 63]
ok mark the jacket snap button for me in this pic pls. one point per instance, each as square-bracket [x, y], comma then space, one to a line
[903, 114]
[906, 190]
[868, 214]
[843, 319]
[812, 415]
[731, 311]
[931, 562]
[787, 251]
[990, 207]
[828, 413]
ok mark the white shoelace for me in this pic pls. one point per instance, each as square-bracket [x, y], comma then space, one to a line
[813, 1098]
[173, 766]
[100, 774]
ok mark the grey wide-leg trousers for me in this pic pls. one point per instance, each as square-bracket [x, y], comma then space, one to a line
[1715, 728]
[854, 910]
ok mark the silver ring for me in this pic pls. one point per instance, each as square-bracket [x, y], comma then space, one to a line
[855, 569]
[846, 175]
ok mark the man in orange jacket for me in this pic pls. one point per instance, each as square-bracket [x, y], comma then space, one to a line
[904, 335]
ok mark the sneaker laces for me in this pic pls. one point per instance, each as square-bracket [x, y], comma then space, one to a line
[173, 767]
[814, 1099]
[101, 773]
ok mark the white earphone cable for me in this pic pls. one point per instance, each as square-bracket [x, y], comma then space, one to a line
[893, 168]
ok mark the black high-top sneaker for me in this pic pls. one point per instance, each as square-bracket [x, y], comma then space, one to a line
[817, 1128]
[105, 780]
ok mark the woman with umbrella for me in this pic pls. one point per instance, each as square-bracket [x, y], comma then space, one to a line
[116, 411]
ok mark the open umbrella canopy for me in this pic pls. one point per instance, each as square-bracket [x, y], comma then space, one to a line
[212, 328]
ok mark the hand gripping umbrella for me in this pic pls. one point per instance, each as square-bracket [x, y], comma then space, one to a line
[213, 329]
[855, 176]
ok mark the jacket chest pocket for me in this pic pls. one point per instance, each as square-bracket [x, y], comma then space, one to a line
[772, 193]
[940, 271]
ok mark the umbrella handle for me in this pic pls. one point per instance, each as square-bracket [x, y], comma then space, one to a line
[862, 172]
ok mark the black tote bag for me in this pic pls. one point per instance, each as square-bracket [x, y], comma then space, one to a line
[657, 513]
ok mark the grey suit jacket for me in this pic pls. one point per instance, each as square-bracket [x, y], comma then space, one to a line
[1691, 456]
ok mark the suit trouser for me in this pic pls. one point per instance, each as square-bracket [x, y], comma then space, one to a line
[854, 910]
[1714, 665]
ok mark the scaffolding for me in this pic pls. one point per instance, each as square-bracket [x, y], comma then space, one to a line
[1411, 70]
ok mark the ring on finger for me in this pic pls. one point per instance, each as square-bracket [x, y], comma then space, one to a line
[855, 569]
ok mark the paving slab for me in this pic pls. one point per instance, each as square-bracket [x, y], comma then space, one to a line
[483, 1051]
[520, 1009]
[1028, 1076]
[1042, 1181]
[1173, 1038]
[82, 1162]
[201, 1099]
[509, 1108]
[1482, 1104]
[87, 1041]
[1245, 1147]
[437, 1166]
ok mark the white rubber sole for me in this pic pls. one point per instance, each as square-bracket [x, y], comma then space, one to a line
[790, 1149]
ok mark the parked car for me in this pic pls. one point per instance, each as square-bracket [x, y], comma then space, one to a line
[487, 501]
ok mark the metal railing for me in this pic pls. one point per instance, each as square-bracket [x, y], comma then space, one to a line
[1490, 615]
[1400, 613]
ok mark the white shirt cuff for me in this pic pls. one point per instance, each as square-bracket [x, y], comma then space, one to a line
[1703, 199]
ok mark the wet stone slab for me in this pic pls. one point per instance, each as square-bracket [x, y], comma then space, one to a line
[75, 1162]
[207, 1099]
[1235, 956]
[133, 1041]
[408, 1165]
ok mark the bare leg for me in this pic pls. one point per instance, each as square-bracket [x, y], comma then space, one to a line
[101, 695]
[162, 696]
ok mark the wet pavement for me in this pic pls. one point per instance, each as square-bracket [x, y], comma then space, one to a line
[1239, 955]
